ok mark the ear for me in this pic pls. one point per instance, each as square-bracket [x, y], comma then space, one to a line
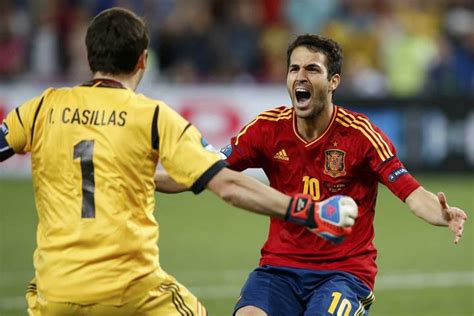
[334, 82]
[142, 60]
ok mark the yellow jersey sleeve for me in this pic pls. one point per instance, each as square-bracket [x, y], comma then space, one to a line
[21, 122]
[182, 151]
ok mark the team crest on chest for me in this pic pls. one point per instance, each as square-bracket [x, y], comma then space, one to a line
[334, 164]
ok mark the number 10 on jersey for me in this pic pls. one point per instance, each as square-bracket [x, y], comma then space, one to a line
[311, 187]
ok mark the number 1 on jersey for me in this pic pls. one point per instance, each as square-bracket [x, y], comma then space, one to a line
[84, 151]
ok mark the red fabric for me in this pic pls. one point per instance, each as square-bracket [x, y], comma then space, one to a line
[272, 11]
[342, 161]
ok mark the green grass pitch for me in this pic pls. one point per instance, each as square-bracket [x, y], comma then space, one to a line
[211, 247]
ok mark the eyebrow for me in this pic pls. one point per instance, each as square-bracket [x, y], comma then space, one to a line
[313, 65]
[305, 66]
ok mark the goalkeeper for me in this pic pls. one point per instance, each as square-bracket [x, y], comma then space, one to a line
[94, 150]
[320, 149]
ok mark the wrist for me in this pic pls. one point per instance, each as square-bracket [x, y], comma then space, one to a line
[301, 211]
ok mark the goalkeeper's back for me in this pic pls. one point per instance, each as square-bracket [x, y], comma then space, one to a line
[94, 196]
[94, 149]
[94, 153]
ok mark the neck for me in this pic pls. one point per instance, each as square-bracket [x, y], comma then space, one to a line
[127, 81]
[310, 128]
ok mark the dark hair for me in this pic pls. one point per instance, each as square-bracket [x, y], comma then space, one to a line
[115, 40]
[326, 46]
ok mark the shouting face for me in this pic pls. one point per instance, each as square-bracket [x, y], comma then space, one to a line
[307, 82]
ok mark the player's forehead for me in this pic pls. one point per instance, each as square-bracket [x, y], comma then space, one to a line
[303, 56]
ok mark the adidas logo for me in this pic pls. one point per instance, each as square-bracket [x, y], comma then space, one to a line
[281, 155]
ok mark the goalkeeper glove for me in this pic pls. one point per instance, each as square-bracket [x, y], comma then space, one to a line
[330, 219]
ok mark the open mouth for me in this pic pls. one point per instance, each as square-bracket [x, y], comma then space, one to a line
[302, 95]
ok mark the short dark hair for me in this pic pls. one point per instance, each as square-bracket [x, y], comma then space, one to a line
[115, 40]
[326, 46]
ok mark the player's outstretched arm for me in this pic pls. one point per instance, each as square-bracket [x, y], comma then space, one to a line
[435, 210]
[165, 184]
[5, 150]
[331, 219]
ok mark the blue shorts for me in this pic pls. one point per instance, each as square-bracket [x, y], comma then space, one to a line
[290, 291]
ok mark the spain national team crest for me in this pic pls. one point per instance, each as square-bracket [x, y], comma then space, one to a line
[334, 165]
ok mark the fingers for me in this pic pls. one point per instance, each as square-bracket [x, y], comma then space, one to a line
[458, 233]
[350, 206]
[349, 211]
[457, 224]
[460, 213]
[442, 200]
[347, 222]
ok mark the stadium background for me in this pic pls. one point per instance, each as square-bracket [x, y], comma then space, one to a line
[409, 65]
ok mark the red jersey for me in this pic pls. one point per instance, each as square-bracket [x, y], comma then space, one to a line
[349, 158]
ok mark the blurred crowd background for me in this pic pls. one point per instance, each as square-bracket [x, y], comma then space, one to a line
[400, 48]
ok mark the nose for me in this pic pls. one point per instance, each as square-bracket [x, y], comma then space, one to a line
[301, 75]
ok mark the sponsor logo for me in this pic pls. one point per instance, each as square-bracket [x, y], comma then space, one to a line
[334, 164]
[301, 205]
[4, 128]
[330, 211]
[226, 151]
[281, 155]
[397, 174]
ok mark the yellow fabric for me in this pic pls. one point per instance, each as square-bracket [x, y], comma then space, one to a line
[184, 162]
[169, 298]
[96, 237]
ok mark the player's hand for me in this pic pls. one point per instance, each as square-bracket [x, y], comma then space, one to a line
[335, 218]
[331, 219]
[454, 216]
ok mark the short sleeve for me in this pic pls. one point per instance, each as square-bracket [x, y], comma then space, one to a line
[382, 159]
[19, 123]
[242, 152]
[182, 151]
[396, 177]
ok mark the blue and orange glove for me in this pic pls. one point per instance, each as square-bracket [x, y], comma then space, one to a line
[330, 219]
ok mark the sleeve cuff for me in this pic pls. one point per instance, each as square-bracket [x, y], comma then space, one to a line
[204, 179]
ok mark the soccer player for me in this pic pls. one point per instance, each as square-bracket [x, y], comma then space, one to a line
[94, 150]
[327, 150]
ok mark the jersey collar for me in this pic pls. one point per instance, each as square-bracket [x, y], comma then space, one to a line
[103, 83]
[306, 143]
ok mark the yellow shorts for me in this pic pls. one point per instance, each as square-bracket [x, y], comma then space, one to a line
[170, 298]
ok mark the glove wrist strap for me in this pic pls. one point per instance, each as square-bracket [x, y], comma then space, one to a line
[301, 211]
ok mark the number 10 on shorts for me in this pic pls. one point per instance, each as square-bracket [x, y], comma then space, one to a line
[343, 308]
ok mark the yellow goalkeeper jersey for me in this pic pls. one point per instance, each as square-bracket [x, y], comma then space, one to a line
[94, 150]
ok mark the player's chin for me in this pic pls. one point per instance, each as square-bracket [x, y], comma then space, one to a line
[302, 111]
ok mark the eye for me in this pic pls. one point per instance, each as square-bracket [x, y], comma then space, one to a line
[293, 68]
[313, 68]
